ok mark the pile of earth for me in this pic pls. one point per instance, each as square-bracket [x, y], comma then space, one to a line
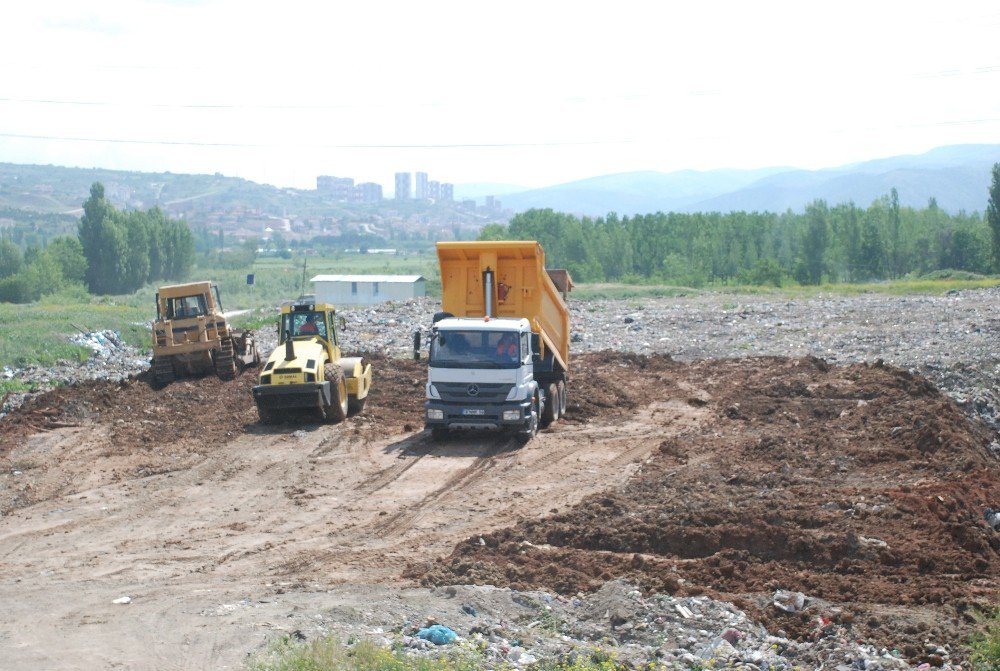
[862, 487]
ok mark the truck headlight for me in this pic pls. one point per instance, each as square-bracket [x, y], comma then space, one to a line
[511, 415]
[434, 413]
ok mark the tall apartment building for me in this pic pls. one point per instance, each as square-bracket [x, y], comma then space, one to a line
[433, 190]
[446, 192]
[402, 186]
[422, 193]
[338, 188]
[368, 192]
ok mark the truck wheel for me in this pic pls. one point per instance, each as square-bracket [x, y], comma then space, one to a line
[562, 398]
[225, 363]
[525, 435]
[337, 412]
[440, 431]
[550, 412]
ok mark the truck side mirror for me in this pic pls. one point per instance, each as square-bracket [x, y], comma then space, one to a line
[416, 345]
[341, 323]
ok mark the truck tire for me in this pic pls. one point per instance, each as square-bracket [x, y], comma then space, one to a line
[562, 398]
[337, 410]
[438, 316]
[525, 435]
[550, 412]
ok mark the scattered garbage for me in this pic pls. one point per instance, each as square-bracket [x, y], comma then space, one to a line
[992, 518]
[122, 600]
[438, 634]
[103, 343]
[790, 602]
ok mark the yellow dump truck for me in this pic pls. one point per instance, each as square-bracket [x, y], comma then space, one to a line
[191, 335]
[307, 372]
[499, 350]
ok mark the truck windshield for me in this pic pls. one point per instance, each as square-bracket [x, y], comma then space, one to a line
[475, 349]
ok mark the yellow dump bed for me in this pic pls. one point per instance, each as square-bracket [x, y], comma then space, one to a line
[522, 288]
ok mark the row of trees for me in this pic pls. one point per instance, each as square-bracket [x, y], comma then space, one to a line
[114, 252]
[28, 276]
[127, 249]
[839, 243]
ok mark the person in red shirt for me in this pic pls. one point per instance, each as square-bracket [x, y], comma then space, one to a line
[309, 328]
[507, 347]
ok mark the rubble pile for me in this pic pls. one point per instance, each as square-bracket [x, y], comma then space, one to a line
[112, 360]
[618, 623]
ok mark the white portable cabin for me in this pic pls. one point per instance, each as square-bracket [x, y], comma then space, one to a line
[367, 289]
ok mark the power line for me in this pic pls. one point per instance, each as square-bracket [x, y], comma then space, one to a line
[481, 145]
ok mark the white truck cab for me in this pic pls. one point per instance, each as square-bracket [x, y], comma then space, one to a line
[481, 375]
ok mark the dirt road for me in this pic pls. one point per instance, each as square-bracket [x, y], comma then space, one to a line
[218, 529]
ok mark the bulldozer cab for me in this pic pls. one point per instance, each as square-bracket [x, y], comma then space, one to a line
[186, 301]
[305, 321]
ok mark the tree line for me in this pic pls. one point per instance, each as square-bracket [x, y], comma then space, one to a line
[114, 252]
[839, 243]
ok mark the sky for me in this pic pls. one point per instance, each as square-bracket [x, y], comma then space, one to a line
[525, 93]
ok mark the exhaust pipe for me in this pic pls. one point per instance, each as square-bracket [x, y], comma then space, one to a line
[289, 349]
[488, 288]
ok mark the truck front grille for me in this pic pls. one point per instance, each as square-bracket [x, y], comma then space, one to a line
[483, 392]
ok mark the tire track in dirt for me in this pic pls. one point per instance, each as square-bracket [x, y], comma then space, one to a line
[404, 518]
[386, 477]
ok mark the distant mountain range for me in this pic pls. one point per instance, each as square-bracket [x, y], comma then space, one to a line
[958, 177]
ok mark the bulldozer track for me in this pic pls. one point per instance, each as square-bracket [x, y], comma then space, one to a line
[225, 362]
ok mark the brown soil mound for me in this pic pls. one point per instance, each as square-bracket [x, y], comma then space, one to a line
[861, 486]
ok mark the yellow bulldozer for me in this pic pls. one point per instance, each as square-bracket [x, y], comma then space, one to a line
[306, 371]
[191, 335]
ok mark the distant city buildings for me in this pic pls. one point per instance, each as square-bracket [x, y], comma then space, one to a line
[338, 188]
[422, 186]
[369, 192]
[343, 189]
[402, 186]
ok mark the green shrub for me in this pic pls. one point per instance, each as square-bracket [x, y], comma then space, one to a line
[985, 645]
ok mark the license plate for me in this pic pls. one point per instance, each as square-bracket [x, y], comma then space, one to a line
[473, 411]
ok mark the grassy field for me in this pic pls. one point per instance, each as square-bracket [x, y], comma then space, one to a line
[276, 280]
[38, 333]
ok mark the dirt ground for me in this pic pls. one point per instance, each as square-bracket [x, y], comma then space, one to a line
[861, 486]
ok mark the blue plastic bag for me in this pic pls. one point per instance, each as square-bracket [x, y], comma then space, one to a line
[437, 634]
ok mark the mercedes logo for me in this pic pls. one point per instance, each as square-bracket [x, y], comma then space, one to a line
[473, 390]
